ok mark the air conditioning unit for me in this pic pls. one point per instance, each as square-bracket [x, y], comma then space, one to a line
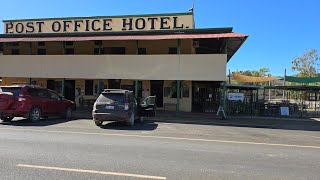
[195, 44]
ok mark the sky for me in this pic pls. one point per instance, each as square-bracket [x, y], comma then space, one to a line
[279, 30]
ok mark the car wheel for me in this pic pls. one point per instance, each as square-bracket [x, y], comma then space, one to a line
[68, 114]
[130, 121]
[35, 114]
[7, 118]
[98, 123]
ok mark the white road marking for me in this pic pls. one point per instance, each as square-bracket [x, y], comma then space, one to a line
[91, 171]
[164, 137]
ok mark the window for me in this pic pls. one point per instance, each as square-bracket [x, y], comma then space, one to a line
[42, 52]
[115, 50]
[185, 92]
[1, 47]
[68, 51]
[98, 43]
[13, 44]
[35, 92]
[41, 43]
[142, 51]
[173, 51]
[88, 87]
[68, 43]
[15, 51]
[53, 95]
[97, 51]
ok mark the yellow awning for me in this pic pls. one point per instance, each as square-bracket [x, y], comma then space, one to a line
[244, 78]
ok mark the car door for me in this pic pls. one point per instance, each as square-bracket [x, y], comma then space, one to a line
[148, 106]
[42, 100]
[55, 103]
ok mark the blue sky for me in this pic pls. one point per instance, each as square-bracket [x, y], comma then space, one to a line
[279, 30]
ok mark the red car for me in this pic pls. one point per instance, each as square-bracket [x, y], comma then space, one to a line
[32, 102]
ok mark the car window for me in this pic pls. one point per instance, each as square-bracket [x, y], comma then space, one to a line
[54, 95]
[14, 90]
[33, 92]
[112, 97]
[43, 93]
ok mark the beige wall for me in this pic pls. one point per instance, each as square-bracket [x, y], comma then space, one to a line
[206, 67]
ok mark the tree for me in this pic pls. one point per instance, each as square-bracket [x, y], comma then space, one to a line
[307, 64]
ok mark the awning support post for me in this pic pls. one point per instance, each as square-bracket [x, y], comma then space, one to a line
[136, 81]
[98, 88]
[178, 81]
[63, 88]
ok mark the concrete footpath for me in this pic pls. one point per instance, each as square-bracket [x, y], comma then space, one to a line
[290, 123]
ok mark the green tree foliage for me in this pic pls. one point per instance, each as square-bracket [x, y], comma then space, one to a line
[307, 64]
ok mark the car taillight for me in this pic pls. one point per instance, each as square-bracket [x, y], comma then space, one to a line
[126, 106]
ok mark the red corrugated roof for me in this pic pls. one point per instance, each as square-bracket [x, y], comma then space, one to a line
[126, 37]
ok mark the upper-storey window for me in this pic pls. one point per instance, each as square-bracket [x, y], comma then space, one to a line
[41, 43]
[97, 51]
[68, 43]
[42, 51]
[68, 51]
[15, 51]
[173, 50]
[98, 43]
[1, 48]
[115, 50]
[142, 51]
[12, 44]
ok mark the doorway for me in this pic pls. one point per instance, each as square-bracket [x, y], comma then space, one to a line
[156, 87]
[114, 83]
[69, 89]
[205, 96]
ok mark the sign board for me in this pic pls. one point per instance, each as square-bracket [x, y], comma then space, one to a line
[100, 24]
[235, 96]
[284, 111]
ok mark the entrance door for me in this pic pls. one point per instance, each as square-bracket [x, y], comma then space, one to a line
[205, 96]
[51, 85]
[114, 83]
[69, 89]
[157, 90]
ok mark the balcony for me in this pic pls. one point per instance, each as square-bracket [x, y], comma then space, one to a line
[201, 67]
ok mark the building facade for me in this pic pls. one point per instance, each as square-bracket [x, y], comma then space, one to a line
[158, 55]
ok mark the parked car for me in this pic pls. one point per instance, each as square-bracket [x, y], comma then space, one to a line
[32, 102]
[120, 105]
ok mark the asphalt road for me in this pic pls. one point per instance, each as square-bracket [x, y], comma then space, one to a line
[55, 149]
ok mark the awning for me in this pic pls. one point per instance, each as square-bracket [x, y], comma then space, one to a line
[302, 79]
[242, 87]
[244, 78]
[295, 88]
[125, 37]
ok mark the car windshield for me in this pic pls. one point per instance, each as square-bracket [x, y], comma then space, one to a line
[112, 97]
[14, 90]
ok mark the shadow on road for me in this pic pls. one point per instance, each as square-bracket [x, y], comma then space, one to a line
[146, 126]
[42, 122]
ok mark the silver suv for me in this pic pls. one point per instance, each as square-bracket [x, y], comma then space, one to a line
[120, 105]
